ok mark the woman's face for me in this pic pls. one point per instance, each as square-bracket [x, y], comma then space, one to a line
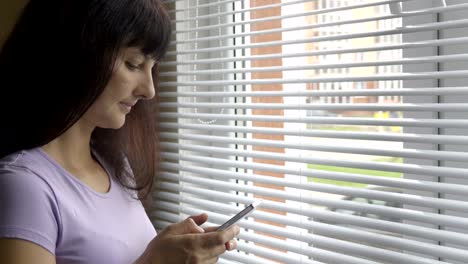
[131, 81]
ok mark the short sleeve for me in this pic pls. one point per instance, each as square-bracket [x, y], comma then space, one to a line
[28, 209]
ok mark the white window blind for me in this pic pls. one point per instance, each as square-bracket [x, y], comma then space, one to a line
[347, 118]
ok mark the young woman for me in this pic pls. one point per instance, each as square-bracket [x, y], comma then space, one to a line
[78, 150]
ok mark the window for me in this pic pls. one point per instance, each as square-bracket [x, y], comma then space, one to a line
[347, 118]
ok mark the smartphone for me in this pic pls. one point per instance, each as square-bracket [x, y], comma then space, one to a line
[244, 213]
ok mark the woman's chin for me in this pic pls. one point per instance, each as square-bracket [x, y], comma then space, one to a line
[114, 124]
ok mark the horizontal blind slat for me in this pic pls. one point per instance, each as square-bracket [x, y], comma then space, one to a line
[334, 217]
[369, 165]
[406, 214]
[405, 30]
[408, 199]
[382, 77]
[233, 255]
[171, 217]
[426, 11]
[246, 256]
[273, 31]
[349, 92]
[219, 211]
[322, 66]
[448, 107]
[242, 256]
[403, 137]
[271, 6]
[428, 186]
[403, 122]
[379, 47]
[353, 249]
[251, 9]
[201, 5]
[342, 245]
[406, 153]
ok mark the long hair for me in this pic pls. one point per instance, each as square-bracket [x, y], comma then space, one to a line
[56, 62]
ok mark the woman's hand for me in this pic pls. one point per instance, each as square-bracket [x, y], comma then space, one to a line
[187, 243]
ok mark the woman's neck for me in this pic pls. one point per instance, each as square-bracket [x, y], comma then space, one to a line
[72, 148]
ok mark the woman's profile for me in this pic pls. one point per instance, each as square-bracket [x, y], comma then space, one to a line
[78, 151]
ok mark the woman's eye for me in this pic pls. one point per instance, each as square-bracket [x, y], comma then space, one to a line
[131, 66]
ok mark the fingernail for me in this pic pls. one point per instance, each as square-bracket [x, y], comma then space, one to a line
[231, 246]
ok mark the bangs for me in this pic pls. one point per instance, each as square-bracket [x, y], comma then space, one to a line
[147, 26]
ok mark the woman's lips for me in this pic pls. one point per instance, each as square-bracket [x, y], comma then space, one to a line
[126, 107]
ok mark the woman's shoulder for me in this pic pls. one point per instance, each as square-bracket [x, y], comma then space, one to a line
[29, 160]
[31, 164]
[22, 172]
[28, 201]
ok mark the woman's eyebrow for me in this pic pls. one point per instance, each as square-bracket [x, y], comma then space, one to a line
[147, 57]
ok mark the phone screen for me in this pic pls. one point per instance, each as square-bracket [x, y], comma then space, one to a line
[244, 213]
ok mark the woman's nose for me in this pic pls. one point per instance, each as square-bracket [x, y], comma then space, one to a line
[146, 87]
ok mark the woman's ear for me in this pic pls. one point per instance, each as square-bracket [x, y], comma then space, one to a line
[10, 11]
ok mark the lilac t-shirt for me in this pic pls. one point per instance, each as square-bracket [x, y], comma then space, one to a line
[41, 202]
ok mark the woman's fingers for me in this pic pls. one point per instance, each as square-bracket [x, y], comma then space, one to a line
[199, 219]
[231, 245]
[219, 250]
[216, 251]
[188, 226]
[231, 232]
[220, 237]
[186, 241]
[211, 229]
[212, 260]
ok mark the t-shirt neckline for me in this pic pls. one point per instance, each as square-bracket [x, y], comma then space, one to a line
[76, 179]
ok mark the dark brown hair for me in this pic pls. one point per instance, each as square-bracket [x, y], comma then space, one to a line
[57, 61]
